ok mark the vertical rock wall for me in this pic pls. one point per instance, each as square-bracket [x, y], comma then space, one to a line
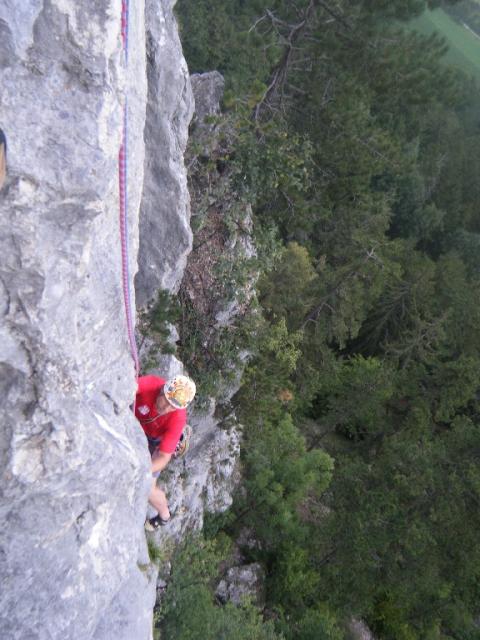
[74, 463]
[165, 235]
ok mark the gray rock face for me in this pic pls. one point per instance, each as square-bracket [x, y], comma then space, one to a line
[240, 246]
[205, 478]
[241, 583]
[74, 463]
[165, 235]
[246, 539]
[224, 240]
[208, 92]
[358, 630]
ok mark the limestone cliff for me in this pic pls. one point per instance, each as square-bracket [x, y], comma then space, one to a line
[75, 467]
[165, 235]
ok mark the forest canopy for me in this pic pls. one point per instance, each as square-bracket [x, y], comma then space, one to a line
[359, 145]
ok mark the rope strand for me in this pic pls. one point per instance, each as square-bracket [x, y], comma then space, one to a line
[123, 193]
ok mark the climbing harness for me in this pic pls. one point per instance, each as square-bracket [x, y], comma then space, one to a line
[182, 445]
[184, 442]
[122, 178]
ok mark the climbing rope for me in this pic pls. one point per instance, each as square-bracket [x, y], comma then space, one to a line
[122, 179]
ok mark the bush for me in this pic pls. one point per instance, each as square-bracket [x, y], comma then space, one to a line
[188, 610]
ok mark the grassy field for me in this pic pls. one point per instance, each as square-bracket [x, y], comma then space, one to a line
[464, 46]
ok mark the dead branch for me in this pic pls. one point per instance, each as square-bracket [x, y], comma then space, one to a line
[290, 35]
[280, 71]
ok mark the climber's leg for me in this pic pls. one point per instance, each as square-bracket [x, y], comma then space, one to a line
[158, 500]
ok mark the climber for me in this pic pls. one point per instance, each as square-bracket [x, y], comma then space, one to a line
[3, 158]
[160, 407]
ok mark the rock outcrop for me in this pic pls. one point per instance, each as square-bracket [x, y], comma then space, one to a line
[358, 630]
[75, 466]
[203, 480]
[165, 234]
[243, 583]
[208, 91]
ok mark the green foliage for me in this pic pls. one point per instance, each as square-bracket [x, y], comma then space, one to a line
[358, 146]
[408, 499]
[188, 610]
[216, 35]
[453, 386]
[459, 293]
[287, 291]
[155, 553]
[313, 624]
[155, 326]
[214, 523]
[268, 374]
[281, 472]
[405, 324]
[389, 621]
[294, 582]
[358, 397]
[211, 353]
[277, 168]
[281, 475]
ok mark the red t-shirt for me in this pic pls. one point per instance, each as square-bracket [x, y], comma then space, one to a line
[167, 428]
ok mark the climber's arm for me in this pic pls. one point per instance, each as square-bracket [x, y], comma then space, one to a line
[160, 461]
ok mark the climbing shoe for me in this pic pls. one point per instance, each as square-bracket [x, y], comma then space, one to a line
[184, 442]
[155, 523]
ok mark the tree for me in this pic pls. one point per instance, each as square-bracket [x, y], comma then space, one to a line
[188, 610]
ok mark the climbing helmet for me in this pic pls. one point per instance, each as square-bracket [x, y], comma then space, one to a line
[179, 391]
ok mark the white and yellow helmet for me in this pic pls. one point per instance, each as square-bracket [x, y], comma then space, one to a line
[179, 391]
